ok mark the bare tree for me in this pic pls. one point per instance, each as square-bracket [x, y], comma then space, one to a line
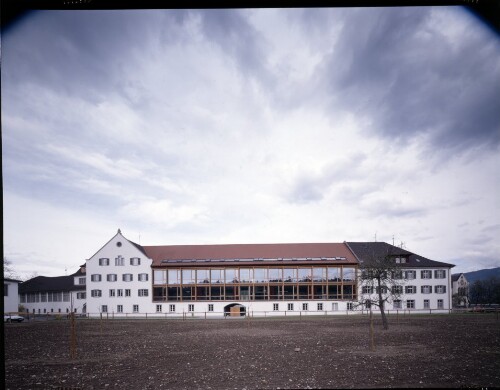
[381, 279]
[8, 269]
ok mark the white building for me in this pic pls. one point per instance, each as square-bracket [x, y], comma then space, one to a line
[54, 295]
[460, 290]
[425, 284]
[10, 295]
[127, 279]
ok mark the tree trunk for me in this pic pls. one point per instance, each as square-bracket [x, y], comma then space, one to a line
[372, 341]
[384, 317]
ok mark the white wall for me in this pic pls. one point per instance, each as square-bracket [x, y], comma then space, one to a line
[119, 246]
[11, 301]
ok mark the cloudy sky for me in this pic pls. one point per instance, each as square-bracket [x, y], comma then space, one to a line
[250, 126]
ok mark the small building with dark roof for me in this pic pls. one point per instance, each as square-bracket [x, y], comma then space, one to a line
[54, 294]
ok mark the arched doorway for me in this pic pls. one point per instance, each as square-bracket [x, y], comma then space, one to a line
[234, 310]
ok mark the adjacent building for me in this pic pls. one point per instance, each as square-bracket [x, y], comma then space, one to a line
[10, 295]
[460, 290]
[54, 295]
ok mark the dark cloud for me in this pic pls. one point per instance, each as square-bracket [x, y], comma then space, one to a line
[392, 67]
[231, 31]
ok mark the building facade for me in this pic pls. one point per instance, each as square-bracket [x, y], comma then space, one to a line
[126, 279]
[10, 295]
[460, 290]
[54, 295]
[423, 284]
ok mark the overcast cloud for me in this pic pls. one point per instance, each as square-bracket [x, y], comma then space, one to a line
[250, 126]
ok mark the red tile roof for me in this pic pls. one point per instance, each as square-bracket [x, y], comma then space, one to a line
[248, 251]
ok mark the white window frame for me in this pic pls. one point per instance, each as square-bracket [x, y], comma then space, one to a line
[410, 289]
[142, 277]
[410, 304]
[439, 274]
[119, 292]
[104, 308]
[95, 293]
[135, 308]
[171, 308]
[210, 307]
[290, 306]
[82, 281]
[427, 303]
[135, 261]
[426, 274]
[103, 261]
[440, 303]
[410, 274]
[427, 289]
[440, 289]
[143, 292]
[158, 308]
[367, 290]
[320, 306]
[119, 261]
[119, 308]
[276, 306]
[305, 306]
[128, 292]
[335, 306]
[190, 307]
[112, 292]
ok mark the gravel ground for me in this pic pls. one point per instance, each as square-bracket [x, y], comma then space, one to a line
[270, 353]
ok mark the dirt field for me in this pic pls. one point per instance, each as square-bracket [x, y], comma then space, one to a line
[234, 353]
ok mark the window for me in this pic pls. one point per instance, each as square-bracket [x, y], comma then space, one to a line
[410, 304]
[143, 292]
[190, 307]
[81, 295]
[65, 296]
[95, 293]
[397, 289]
[135, 308]
[119, 309]
[427, 304]
[410, 289]
[111, 277]
[426, 289]
[439, 274]
[127, 292]
[335, 306]
[103, 261]
[143, 277]
[400, 260]
[119, 292]
[290, 306]
[305, 307]
[410, 275]
[440, 289]
[81, 281]
[426, 274]
[127, 277]
[158, 308]
[104, 308]
[368, 304]
[381, 288]
[210, 307]
[120, 261]
[398, 274]
[135, 261]
[320, 306]
[350, 306]
[112, 293]
[440, 304]
[171, 308]
[367, 289]
[397, 304]
[5, 290]
[95, 277]
[276, 306]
